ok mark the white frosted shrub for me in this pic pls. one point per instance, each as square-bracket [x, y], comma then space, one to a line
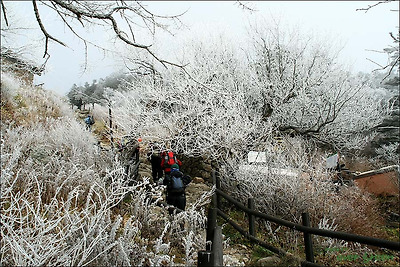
[62, 199]
[388, 153]
[100, 113]
[291, 181]
[9, 86]
[58, 200]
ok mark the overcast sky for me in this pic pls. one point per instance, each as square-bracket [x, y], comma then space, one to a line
[358, 31]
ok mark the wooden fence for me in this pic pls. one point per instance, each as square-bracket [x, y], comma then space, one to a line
[213, 254]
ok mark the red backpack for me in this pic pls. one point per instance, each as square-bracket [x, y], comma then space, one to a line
[170, 158]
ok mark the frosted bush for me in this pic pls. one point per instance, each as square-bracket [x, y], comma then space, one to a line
[388, 153]
[286, 184]
[326, 242]
[9, 86]
[294, 180]
[63, 199]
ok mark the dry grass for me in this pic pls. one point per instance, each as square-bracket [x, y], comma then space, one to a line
[62, 198]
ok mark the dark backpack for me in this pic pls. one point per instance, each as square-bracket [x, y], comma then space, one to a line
[169, 159]
[177, 185]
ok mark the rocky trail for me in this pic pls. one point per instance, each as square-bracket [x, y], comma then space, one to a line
[235, 254]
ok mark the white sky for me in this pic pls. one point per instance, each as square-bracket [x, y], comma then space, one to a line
[359, 31]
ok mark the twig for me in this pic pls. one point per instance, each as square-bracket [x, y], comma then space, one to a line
[245, 6]
[374, 5]
[4, 12]
[42, 28]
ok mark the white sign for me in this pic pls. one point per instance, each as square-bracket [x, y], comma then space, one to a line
[267, 171]
[332, 161]
[255, 156]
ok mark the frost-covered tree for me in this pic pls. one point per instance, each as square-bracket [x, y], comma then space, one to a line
[306, 91]
[226, 102]
[18, 55]
[205, 109]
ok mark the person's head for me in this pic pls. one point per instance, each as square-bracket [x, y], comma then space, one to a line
[175, 166]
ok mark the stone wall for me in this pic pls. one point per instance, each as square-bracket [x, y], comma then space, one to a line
[193, 166]
[198, 167]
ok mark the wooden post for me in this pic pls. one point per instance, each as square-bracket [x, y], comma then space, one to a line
[111, 131]
[211, 224]
[214, 196]
[250, 205]
[218, 186]
[217, 247]
[307, 238]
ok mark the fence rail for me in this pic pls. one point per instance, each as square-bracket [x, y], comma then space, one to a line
[250, 233]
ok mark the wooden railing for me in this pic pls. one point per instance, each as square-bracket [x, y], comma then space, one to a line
[212, 256]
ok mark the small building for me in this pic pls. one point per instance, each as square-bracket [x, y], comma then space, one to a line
[381, 182]
[22, 68]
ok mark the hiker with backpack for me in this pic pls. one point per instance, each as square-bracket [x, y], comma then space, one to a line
[168, 159]
[176, 183]
[89, 122]
[154, 156]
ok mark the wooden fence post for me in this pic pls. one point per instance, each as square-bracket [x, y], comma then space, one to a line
[250, 205]
[214, 196]
[218, 186]
[211, 224]
[111, 130]
[307, 238]
[217, 247]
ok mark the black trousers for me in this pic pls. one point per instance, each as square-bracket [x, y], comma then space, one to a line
[156, 169]
[178, 201]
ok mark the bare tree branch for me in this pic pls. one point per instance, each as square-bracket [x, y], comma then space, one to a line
[245, 6]
[43, 29]
[396, 39]
[391, 67]
[366, 9]
[102, 14]
[4, 12]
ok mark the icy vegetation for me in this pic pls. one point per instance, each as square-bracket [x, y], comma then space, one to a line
[63, 200]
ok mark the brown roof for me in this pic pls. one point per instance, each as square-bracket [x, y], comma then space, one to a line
[20, 63]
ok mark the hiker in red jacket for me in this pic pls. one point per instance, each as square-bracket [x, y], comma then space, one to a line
[167, 160]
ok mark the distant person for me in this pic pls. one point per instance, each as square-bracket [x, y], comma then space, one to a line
[89, 122]
[168, 159]
[176, 184]
[154, 156]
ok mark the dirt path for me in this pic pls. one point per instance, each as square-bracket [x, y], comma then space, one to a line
[235, 255]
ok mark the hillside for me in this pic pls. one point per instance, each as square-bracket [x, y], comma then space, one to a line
[64, 200]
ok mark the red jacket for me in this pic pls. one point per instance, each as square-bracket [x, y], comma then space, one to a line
[165, 165]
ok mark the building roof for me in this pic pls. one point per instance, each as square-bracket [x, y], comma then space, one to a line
[19, 63]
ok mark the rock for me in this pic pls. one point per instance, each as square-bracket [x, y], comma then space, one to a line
[198, 180]
[145, 167]
[207, 167]
[206, 175]
[269, 261]
[145, 174]
[194, 192]
[158, 212]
